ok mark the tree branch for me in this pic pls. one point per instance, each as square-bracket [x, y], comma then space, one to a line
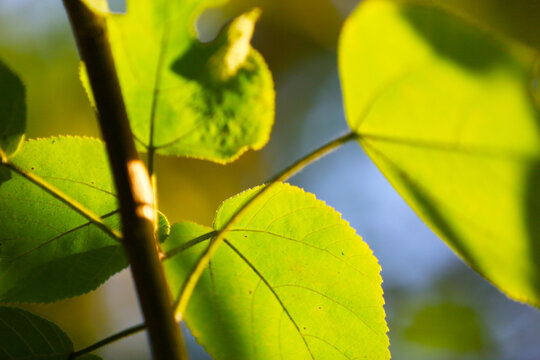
[131, 179]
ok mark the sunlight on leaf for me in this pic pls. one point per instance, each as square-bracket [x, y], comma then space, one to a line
[12, 112]
[98, 5]
[292, 281]
[445, 112]
[27, 336]
[47, 250]
[185, 98]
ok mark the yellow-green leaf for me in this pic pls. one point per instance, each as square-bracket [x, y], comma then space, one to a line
[445, 110]
[185, 98]
[47, 250]
[291, 281]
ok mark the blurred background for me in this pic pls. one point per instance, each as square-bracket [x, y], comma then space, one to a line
[437, 308]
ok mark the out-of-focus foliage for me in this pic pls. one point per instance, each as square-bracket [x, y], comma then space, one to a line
[12, 111]
[444, 109]
[448, 326]
[517, 18]
[27, 336]
[292, 281]
[320, 23]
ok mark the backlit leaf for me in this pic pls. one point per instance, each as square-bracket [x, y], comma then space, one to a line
[292, 281]
[27, 336]
[12, 111]
[47, 250]
[445, 110]
[186, 98]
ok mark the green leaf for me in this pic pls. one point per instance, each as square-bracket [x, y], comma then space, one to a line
[27, 336]
[291, 281]
[185, 98]
[448, 326]
[47, 250]
[445, 112]
[12, 112]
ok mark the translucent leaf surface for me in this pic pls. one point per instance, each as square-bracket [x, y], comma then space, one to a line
[27, 336]
[12, 111]
[292, 281]
[47, 250]
[185, 98]
[445, 111]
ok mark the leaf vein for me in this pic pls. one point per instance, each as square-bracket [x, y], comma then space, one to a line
[274, 294]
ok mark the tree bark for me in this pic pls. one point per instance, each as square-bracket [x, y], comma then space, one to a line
[131, 180]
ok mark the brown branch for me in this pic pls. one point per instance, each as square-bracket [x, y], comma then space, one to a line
[131, 179]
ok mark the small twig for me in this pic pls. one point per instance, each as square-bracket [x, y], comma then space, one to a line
[169, 254]
[108, 340]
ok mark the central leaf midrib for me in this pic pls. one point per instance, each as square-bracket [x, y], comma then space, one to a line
[157, 81]
[263, 279]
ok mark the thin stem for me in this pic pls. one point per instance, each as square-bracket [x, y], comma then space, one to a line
[291, 170]
[186, 291]
[132, 182]
[66, 199]
[108, 340]
[189, 244]
[140, 327]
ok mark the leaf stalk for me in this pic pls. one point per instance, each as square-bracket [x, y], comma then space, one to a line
[188, 287]
[108, 340]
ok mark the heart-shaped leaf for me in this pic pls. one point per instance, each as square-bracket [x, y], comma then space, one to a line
[445, 111]
[291, 281]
